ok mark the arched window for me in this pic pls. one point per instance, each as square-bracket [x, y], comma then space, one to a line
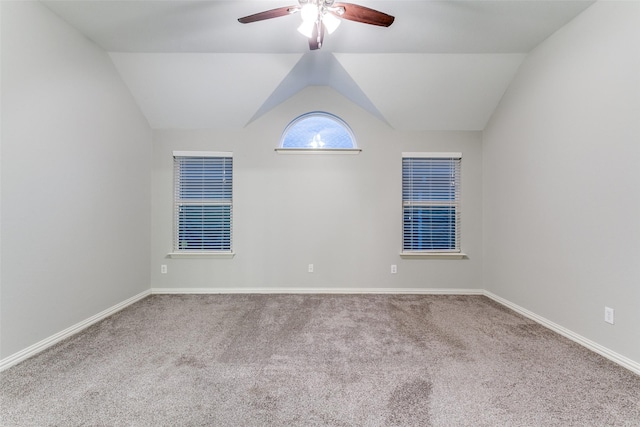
[318, 131]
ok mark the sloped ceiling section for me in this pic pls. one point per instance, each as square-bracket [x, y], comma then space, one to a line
[319, 69]
[407, 91]
[201, 90]
[434, 91]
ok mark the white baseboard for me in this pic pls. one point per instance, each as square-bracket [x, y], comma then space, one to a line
[329, 290]
[585, 342]
[48, 342]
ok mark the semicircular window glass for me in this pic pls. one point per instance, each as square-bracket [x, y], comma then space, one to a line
[317, 131]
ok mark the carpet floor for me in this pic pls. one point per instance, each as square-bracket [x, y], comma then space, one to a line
[324, 360]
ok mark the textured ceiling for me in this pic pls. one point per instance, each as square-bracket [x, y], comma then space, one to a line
[442, 65]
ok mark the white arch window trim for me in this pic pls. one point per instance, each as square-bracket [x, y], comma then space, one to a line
[316, 145]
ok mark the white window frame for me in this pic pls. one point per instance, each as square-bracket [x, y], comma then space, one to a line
[177, 252]
[454, 253]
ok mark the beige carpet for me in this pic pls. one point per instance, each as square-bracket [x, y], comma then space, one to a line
[303, 360]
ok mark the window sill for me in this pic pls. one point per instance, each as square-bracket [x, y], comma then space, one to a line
[318, 151]
[220, 255]
[433, 255]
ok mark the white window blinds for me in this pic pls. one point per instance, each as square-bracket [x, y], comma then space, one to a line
[431, 202]
[203, 201]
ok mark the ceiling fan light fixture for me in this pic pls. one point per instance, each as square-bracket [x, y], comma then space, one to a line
[309, 12]
[306, 28]
[331, 23]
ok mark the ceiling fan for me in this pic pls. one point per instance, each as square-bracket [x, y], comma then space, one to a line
[320, 15]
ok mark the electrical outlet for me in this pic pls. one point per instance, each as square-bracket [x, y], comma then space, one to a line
[608, 315]
[310, 268]
[163, 269]
[394, 269]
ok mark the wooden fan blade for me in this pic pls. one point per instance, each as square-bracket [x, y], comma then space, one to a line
[268, 14]
[357, 13]
[317, 38]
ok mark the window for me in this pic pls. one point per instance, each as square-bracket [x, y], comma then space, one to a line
[318, 132]
[203, 202]
[431, 203]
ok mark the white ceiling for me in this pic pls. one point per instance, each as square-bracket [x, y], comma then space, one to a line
[442, 65]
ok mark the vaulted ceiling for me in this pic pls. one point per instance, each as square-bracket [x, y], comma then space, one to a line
[442, 65]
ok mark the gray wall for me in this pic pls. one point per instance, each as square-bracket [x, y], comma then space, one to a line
[340, 212]
[76, 154]
[561, 180]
